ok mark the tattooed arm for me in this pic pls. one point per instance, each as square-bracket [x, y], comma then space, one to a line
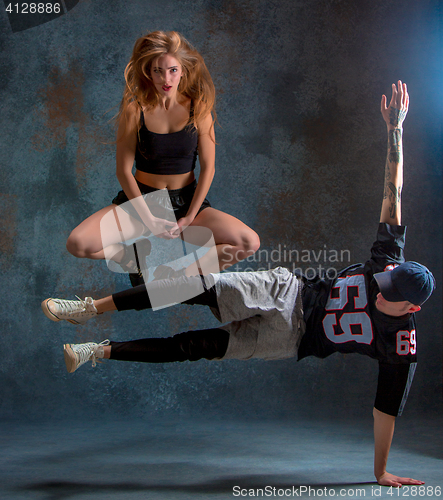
[394, 115]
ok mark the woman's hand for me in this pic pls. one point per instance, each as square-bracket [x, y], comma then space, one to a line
[182, 224]
[162, 228]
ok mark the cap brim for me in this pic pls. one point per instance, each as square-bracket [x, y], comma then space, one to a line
[387, 288]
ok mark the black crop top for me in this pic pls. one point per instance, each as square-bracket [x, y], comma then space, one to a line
[166, 154]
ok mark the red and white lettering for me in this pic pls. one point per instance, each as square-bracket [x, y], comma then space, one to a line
[406, 342]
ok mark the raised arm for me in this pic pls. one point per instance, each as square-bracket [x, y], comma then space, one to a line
[394, 115]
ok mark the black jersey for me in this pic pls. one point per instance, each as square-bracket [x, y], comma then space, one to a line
[341, 316]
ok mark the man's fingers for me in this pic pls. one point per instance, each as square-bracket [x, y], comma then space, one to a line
[405, 99]
[400, 94]
[394, 95]
[383, 103]
[390, 482]
[397, 481]
[408, 480]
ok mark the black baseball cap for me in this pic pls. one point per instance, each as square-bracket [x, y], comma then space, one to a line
[409, 281]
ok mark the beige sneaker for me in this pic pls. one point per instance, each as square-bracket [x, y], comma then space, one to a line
[77, 355]
[76, 312]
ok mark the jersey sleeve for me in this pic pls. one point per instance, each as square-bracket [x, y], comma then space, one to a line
[389, 245]
[394, 382]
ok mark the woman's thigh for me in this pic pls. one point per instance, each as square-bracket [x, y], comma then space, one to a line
[106, 227]
[227, 229]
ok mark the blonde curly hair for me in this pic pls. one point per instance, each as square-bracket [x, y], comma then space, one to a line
[196, 82]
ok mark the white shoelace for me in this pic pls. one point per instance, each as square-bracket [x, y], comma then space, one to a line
[88, 351]
[70, 307]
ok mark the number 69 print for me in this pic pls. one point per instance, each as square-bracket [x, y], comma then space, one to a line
[354, 324]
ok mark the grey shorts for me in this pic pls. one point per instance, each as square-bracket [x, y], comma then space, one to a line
[264, 312]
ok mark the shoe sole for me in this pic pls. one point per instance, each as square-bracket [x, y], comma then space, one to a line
[50, 315]
[70, 359]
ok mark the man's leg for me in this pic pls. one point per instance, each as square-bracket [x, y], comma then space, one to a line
[187, 346]
[167, 291]
[191, 346]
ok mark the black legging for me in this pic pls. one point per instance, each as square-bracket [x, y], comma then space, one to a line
[166, 291]
[193, 345]
[209, 344]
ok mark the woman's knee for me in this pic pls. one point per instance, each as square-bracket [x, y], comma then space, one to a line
[72, 246]
[253, 242]
[85, 239]
[248, 244]
[77, 246]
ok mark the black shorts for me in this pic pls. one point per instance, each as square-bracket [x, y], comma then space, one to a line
[180, 199]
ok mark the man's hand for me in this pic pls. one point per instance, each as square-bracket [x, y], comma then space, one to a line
[395, 113]
[387, 479]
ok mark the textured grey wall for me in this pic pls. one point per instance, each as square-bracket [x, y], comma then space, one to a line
[300, 159]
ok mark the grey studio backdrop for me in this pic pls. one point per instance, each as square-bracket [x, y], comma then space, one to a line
[300, 158]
